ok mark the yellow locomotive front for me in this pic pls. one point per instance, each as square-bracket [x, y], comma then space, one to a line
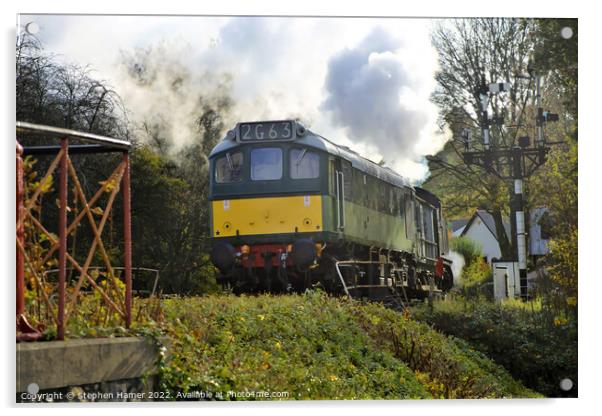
[255, 216]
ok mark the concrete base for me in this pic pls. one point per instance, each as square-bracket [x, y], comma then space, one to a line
[57, 364]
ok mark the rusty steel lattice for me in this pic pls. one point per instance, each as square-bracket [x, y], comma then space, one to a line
[119, 179]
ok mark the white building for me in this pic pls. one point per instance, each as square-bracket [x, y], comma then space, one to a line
[481, 229]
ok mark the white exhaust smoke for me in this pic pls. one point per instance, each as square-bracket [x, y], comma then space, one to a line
[457, 266]
[376, 93]
[364, 83]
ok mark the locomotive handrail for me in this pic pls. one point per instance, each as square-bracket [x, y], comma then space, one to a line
[336, 266]
[342, 199]
[351, 262]
[338, 201]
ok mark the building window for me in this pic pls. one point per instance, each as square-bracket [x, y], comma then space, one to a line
[304, 164]
[266, 163]
[229, 168]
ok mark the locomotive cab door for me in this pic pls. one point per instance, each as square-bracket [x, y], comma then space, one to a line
[339, 191]
[420, 251]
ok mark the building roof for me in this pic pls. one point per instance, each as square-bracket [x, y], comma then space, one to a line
[457, 224]
[489, 222]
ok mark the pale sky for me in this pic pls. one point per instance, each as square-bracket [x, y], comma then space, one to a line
[361, 82]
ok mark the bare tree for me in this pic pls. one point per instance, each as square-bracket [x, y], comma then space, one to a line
[64, 95]
[474, 53]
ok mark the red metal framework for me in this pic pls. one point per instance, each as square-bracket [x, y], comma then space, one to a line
[120, 178]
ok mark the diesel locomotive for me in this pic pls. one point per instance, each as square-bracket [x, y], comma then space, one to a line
[291, 210]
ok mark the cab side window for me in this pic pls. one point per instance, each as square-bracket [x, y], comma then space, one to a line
[304, 164]
[229, 168]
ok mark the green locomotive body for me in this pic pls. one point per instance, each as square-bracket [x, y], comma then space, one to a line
[291, 209]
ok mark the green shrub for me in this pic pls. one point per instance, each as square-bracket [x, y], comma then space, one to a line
[469, 249]
[307, 346]
[450, 368]
[477, 281]
[317, 347]
[521, 337]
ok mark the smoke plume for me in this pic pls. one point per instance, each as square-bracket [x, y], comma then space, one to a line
[167, 97]
[457, 265]
[381, 100]
[363, 83]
